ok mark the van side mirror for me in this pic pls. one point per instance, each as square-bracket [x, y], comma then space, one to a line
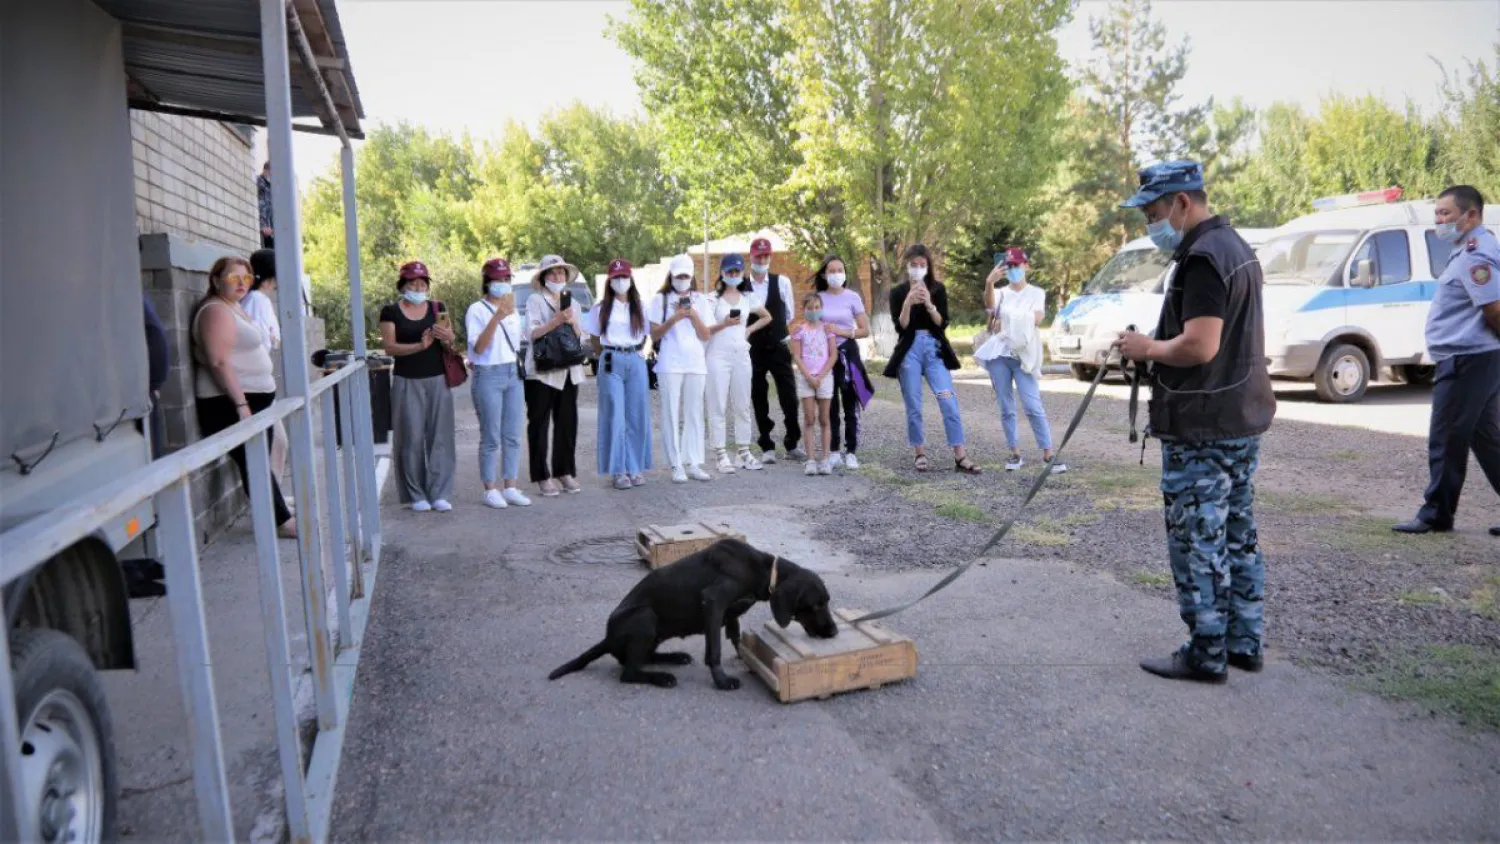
[1364, 274]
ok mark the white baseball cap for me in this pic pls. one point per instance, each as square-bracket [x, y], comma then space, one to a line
[681, 265]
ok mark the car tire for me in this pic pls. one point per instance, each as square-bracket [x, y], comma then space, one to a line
[1418, 374]
[1343, 374]
[1083, 371]
[66, 734]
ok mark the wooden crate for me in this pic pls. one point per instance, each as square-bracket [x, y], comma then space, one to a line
[661, 545]
[796, 666]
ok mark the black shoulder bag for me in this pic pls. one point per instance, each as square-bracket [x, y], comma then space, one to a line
[559, 348]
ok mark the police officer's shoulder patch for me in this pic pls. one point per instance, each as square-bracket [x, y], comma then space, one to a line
[1480, 274]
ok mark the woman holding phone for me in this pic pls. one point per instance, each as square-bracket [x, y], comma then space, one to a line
[845, 318]
[679, 326]
[920, 305]
[552, 396]
[1014, 353]
[618, 324]
[729, 363]
[494, 332]
[421, 403]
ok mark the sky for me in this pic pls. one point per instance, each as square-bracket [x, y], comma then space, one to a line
[457, 65]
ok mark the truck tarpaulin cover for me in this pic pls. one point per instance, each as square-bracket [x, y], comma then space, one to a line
[73, 349]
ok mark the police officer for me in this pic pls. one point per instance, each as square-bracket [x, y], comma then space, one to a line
[1463, 337]
[1210, 401]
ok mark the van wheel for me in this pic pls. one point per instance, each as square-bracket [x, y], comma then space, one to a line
[68, 776]
[1084, 372]
[1342, 375]
[1415, 373]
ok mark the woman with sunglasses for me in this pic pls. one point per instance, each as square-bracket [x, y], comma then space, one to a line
[618, 326]
[679, 318]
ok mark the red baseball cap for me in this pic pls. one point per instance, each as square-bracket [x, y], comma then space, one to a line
[1016, 255]
[760, 246]
[496, 268]
[619, 267]
[414, 269]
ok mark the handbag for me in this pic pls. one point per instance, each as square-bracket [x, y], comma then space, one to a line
[559, 348]
[455, 370]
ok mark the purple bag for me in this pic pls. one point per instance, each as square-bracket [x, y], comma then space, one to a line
[863, 389]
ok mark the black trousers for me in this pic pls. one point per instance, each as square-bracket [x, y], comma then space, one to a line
[558, 409]
[775, 361]
[845, 400]
[215, 413]
[1465, 416]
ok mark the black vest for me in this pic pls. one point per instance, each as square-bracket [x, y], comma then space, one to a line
[1230, 396]
[772, 335]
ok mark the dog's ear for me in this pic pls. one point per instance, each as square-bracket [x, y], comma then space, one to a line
[784, 601]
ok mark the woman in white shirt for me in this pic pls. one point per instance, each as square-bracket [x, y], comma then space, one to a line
[618, 324]
[729, 362]
[257, 303]
[679, 318]
[1014, 353]
[494, 332]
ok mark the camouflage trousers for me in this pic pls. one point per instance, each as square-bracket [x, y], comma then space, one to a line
[1209, 491]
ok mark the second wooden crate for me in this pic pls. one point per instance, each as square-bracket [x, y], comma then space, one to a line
[661, 545]
[796, 666]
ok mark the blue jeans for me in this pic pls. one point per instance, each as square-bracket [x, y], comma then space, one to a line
[500, 401]
[923, 361]
[624, 439]
[1003, 371]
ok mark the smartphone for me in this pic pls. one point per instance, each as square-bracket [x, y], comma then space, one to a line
[684, 301]
[443, 319]
[999, 258]
[565, 301]
[734, 314]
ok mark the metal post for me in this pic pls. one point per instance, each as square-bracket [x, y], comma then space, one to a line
[195, 673]
[361, 407]
[294, 359]
[351, 251]
[348, 396]
[278, 655]
[339, 551]
[16, 819]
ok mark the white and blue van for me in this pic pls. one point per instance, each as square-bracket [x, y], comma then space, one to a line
[1347, 290]
[1126, 291]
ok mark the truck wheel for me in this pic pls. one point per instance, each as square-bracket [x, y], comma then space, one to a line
[1415, 373]
[1342, 375]
[1084, 372]
[68, 774]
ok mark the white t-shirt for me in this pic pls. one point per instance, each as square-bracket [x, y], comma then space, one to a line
[1017, 311]
[733, 340]
[763, 290]
[680, 350]
[263, 313]
[499, 352]
[618, 332]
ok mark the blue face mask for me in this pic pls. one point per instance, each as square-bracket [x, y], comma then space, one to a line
[813, 316]
[416, 297]
[1447, 232]
[1016, 275]
[1163, 235]
[498, 289]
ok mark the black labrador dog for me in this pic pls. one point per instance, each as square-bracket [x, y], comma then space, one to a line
[705, 593]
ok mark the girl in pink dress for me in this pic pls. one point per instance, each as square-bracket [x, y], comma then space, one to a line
[814, 354]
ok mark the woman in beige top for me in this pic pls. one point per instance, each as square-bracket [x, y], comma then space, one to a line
[233, 377]
[552, 397]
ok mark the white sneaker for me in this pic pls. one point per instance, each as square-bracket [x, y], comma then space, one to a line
[696, 473]
[516, 497]
[493, 498]
[421, 506]
[441, 506]
[836, 459]
[768, 458]
[1014, 462]
[851, 462]
[679, 475]
[726, 466]
[748, 461]
[825, 468]
[798, 453]
[811, 468]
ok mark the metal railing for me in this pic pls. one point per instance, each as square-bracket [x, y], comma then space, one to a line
[348, 497]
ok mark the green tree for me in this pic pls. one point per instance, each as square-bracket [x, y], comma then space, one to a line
[1470, 128]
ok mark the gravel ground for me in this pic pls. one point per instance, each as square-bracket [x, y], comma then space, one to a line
[1343, 591]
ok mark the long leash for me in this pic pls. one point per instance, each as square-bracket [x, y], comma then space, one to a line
[1036, 486]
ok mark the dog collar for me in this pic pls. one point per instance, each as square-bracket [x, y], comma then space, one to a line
[771, 590]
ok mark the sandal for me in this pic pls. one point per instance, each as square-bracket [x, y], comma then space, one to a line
[968, 466]
[920, 462]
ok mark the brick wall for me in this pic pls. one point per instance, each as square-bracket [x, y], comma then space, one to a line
[194, 178]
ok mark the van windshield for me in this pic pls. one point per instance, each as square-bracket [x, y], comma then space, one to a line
[1133, 271]
[1305, 257]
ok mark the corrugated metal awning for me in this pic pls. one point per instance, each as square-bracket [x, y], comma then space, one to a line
[203, 58]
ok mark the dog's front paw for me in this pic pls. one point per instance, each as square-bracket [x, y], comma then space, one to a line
[664, 681]
[726, 683]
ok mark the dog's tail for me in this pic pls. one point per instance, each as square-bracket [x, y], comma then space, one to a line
[583, 660]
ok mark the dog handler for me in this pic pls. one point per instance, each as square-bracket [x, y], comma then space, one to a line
[1211, 400]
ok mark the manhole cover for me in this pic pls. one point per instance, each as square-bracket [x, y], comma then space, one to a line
[597, 552]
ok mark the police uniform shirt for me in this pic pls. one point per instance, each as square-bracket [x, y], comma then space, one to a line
[1455, 323]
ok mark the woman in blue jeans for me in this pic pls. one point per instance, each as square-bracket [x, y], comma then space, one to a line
[618, 324]
[494, 333]
[920, 308]
[1013, 354]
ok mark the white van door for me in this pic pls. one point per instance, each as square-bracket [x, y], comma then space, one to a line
[1392, 308]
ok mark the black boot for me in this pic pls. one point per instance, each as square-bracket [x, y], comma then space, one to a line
[1177, 667]
[1246, 662]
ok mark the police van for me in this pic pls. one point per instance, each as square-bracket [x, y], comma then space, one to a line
[1127, 290]
[1348, 288]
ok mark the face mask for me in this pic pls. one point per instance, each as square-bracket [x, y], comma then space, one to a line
[1448, 232]
[681, 284]
[621, 286]
[556, 286]
[733, 280]
[915, 273]
[760, 269]
[835, 279]
[813, 316]
[1016, 275]
[498, 288]
[416, 297]
[1162, 234]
